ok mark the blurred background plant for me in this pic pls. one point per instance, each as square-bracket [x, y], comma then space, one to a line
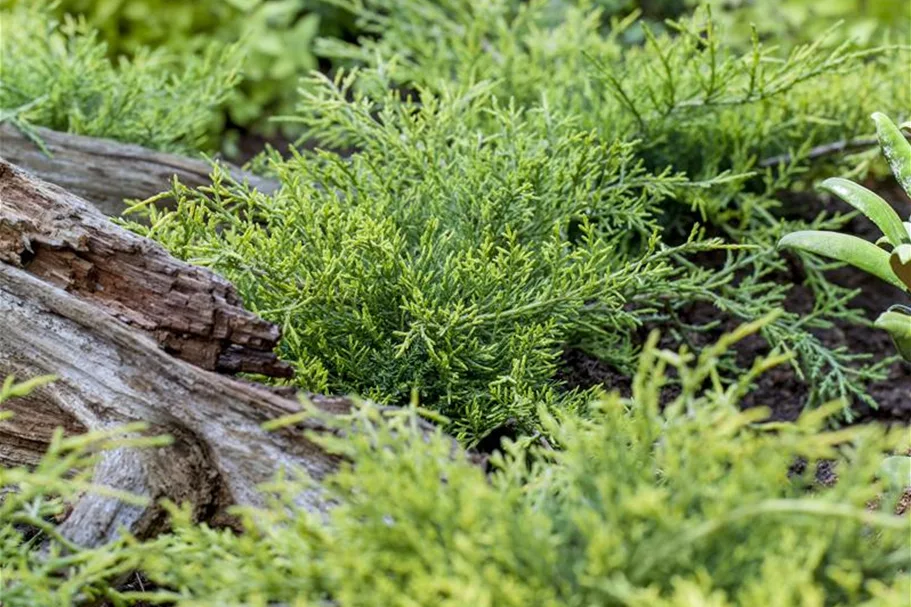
[798, 21]
[788, 22]
[277, 38]
[57, 74]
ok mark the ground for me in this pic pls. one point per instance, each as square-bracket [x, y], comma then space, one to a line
[781, 389]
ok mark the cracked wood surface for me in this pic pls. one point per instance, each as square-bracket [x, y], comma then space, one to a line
[192, 313]
[109, 375]
[129, 333]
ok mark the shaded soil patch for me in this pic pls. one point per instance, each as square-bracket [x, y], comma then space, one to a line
[781, 389]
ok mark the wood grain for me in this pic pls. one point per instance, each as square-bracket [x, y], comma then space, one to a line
[102, 309]
[106, 172]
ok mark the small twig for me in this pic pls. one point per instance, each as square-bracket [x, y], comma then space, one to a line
[824, 150]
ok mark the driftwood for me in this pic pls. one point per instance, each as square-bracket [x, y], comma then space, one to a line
[106, 172]
[135, 335]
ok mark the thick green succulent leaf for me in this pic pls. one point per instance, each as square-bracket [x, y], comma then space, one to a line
[874, 207]
[896, 149]
[900, 261]
[897, 323]
[852, 250]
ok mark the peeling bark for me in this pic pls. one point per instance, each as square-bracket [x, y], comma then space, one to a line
[110, 375]
[193, 314]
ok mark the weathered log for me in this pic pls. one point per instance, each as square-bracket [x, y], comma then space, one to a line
[192, 313]
[102, 309]
[106, 172]
[109, 375]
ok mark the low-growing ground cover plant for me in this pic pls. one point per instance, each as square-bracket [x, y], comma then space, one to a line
[276, 35]
[693, 105]
[633, 503]
[439, 260]
[56, 74]
[519, 187]
[493, 184]
[890, 258]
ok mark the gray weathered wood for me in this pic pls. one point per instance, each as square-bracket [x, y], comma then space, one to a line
[110, 375]
[106, 172]
[102, 309]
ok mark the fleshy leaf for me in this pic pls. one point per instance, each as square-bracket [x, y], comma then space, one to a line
[883, 243]
[875, 208]
[896, 149]
[900, 261]
[852, 250]
[897, 323]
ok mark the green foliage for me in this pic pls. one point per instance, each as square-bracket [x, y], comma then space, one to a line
[896, 321]
[520, 187]
[10, 389]
[800, 21]
[438, 259]
[685, 81]
[859, 253]
[57, 75]
[888, 260]
[690, 506]
[277, 36]
[694, 105]
[896, 471]
[523, 178]
[32, 500]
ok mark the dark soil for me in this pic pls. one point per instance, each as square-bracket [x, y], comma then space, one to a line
[248, 144]
[780, 388]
